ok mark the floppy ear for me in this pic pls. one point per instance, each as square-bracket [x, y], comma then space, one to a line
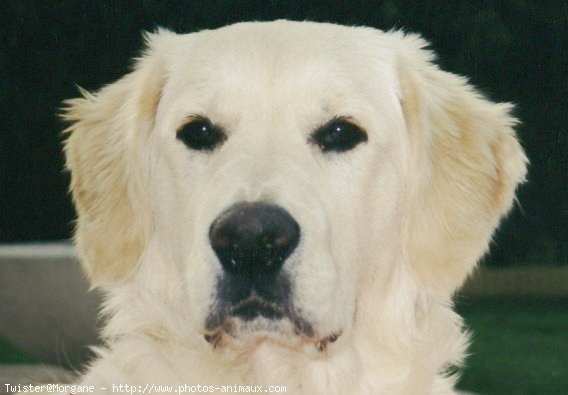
[104, 151]
[466, 166]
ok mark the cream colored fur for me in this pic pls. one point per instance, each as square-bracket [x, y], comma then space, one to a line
[390, 229]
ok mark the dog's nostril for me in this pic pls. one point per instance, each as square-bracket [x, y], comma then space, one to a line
[252, 239]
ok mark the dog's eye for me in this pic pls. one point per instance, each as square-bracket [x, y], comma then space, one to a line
[200, 134]
[338, 135]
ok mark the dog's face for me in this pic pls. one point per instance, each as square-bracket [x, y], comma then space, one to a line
[285, 175]
[264, 175]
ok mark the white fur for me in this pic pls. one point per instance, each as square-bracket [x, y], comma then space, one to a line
[390, 229]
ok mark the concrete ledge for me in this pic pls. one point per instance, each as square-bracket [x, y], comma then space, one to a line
[45, 307]
[544, 281]
[56, 250]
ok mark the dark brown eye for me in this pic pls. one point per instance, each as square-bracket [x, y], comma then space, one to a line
[200, 134]
[338, 135]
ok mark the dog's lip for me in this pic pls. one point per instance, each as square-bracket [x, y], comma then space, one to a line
[217, 339]
[262, 320]
[250, 308]
[323, 343]
[255, 307]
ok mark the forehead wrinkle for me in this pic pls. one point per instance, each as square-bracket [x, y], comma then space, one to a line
[261, 57]
[234, 96]
[248, 78]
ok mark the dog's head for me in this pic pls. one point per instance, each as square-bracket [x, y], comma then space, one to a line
[280, 180]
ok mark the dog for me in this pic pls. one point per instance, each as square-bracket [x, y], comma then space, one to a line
[288, 205]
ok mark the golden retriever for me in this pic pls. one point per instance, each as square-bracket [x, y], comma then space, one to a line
[288, 205]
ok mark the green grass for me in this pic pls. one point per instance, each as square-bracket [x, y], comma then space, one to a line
[520, 346]
[9, 354]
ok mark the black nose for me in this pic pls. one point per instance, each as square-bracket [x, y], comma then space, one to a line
[252, 239]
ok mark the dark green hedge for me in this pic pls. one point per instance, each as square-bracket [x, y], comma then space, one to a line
[513, 50]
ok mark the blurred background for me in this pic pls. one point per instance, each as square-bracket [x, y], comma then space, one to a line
[513, 50]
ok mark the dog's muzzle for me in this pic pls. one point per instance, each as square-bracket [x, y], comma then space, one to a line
[252, 242]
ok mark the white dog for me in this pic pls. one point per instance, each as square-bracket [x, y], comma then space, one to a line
[286, 204]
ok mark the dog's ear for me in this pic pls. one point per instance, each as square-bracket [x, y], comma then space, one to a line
[466, 166]
[105, 154]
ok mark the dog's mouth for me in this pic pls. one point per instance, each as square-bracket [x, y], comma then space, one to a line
[256, 314]
[255, 320]
[254, 308]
